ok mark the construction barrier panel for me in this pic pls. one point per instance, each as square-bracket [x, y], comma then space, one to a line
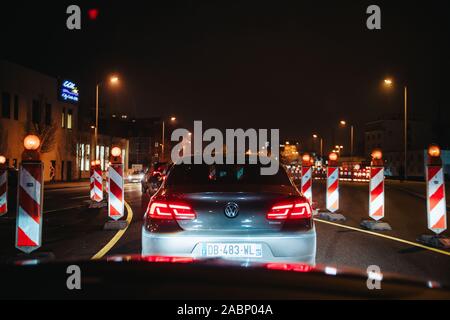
[376, 187]
[332, 189]
[29, 207]
[306, 182]
[116, 201]
[436, 202]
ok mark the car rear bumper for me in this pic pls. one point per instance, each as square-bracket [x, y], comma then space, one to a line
[277, 247]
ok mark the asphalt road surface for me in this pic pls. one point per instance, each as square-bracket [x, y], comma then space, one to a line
[72, 231]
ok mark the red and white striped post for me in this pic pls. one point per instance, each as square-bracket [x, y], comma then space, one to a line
[98, 182]
[92, 181]
[376, 194]
[116, 204]
[436, 204]
[306, 183]
[30, 197]
[3, 186]
[333, 183]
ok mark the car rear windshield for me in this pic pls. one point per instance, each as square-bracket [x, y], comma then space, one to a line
[202, 174]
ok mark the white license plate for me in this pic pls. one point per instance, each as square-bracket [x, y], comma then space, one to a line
[232, 250]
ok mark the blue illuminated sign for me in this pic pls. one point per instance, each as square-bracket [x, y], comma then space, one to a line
[69, 92]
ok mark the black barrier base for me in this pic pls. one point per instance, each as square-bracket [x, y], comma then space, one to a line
[332, 217]
[376, 225]
[435, 241]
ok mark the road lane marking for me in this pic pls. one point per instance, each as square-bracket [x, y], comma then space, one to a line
[117, 237]
[415, 244]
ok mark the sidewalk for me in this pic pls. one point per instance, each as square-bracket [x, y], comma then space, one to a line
[66, 185]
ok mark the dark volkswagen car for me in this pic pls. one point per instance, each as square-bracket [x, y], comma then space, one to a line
[230, 212]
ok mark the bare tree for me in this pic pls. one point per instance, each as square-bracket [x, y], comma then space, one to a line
[46, 132]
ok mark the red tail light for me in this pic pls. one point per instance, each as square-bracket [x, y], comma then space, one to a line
[170, 210]
[296, 267]
[164, 259]
[290, 211]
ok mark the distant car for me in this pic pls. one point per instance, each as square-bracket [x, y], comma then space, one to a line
[231, 212]
[135, 176]
[154, 177]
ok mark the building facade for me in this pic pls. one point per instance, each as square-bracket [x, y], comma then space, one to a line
[85, 151]
[388, 135]
[31, 103]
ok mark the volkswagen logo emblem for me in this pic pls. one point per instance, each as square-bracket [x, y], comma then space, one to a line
[231, 210]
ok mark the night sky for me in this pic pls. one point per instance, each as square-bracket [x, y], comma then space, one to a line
[299, 66]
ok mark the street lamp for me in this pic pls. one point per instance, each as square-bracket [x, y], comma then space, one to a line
[389, 83]
[113, 80]
[315, 136]
[31, 142]
[343, 124]
[338, 149]
[172, 119]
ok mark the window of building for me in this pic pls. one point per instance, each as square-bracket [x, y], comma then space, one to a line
[6, 105]
[63, 118]
[16, 107]
[36, 112]
[87, 155]
[82, 162]
[69, 119]
[48, 114]
[102, 157]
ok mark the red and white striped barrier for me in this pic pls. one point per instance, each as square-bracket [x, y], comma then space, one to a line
[332, 189]
[3, 190]
[92, 182]
[306, 183]
[116, 201]
[376, 195]
[29, 206]
[98, 184]
[436, 203]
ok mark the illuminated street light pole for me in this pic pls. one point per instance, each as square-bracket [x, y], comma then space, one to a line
[172, 119]
[352, 137]
[112, 80]
[315, 136]
[389, 83]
